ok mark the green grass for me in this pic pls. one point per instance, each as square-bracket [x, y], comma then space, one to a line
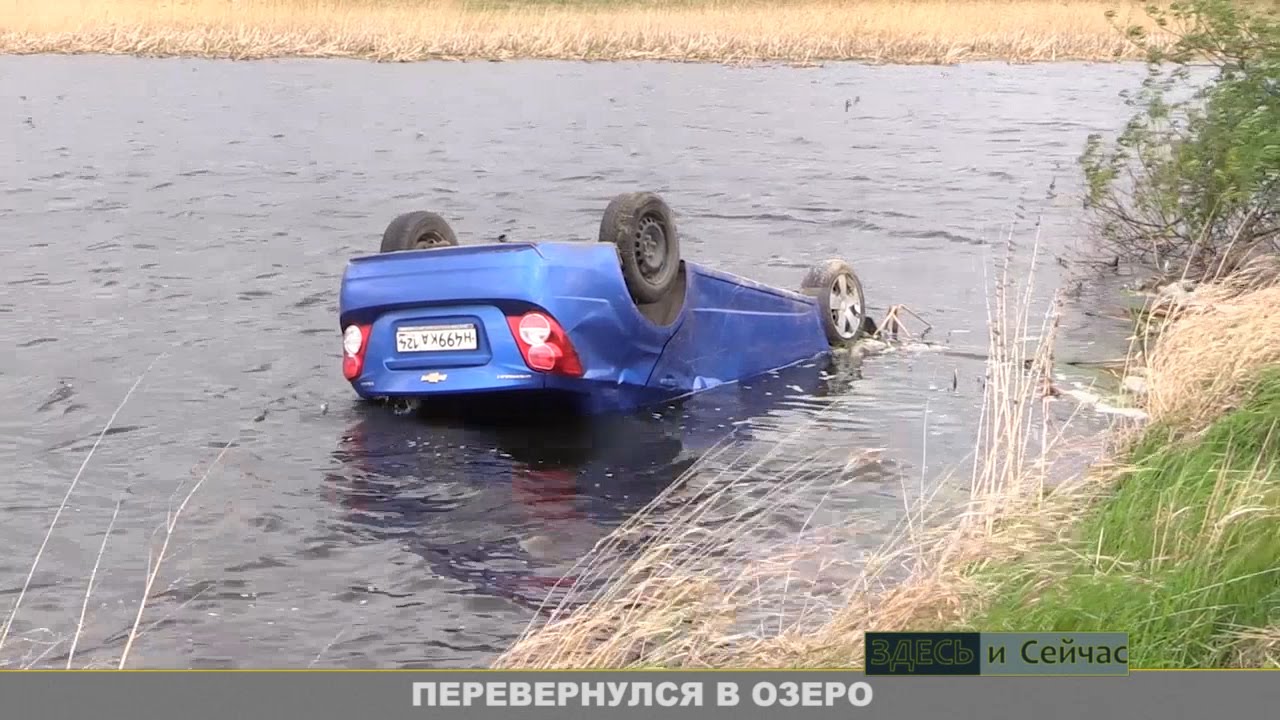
[1184, 554]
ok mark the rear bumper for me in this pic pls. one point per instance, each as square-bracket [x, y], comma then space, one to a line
[381, 382]
[522, 393]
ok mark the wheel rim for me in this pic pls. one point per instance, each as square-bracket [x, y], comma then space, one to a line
[429, 240]
[846, 307]
[651, 247]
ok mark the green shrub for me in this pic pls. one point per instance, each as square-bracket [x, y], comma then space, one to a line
[1193, 182]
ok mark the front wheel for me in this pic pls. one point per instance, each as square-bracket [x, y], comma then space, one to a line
[417, 231]
[841, 307]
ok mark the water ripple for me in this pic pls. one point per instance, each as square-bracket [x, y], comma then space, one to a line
[215, 232]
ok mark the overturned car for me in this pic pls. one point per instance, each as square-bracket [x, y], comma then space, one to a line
[582, 327]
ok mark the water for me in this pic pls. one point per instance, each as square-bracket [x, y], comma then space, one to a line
[204, 211]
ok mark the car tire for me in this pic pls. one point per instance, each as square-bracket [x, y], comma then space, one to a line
[417, 231]
[643, 229]
[842, 308]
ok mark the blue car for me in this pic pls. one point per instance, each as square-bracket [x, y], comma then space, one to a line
[584, 328]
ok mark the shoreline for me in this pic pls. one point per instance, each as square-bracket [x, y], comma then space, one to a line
[464, 60]
[1030, 551]
[810, 32]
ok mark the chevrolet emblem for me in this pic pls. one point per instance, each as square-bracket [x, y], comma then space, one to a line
[434, 377]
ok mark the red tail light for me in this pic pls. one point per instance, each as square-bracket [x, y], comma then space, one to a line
[544, 344]
[355, 341]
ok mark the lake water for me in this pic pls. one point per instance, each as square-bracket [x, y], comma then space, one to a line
[204, 211]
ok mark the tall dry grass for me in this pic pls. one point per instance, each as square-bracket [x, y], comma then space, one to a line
[1236, 319]
[672, 589]
[684, 583]
[37, 651]
[1180, 545]
[915, 31]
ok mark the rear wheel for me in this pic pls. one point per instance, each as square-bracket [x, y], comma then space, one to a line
[644, 230]
[841, 306]
[417, 231]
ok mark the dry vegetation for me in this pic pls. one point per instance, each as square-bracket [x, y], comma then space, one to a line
[919, 31]
[677, 588]
[41, 643]
[1191, 392]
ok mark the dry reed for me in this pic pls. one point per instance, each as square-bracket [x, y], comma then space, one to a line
[675, 601]
[153, 569]
[1237, 319]
[904, 31]
[88, 591]
[168, 528]
[62, 506]
[693, 592]
[1259, 648]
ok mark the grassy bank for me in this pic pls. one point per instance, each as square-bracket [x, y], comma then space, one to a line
[907, 31]
[1184, 554]
[1174, 537]
[1181, 547]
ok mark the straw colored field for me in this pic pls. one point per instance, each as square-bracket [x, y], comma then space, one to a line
[918, 31]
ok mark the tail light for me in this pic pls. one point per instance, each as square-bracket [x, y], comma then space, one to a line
[355, 342]
[544, 344]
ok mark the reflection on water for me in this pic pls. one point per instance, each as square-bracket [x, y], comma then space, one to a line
[504, 508]
[205, 210]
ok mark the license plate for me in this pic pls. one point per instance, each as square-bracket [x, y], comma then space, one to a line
[436, 338]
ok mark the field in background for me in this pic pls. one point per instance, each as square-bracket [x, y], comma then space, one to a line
[902, 31]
